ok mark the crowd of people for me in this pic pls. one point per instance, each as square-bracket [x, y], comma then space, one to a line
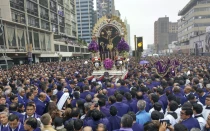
[143, 101]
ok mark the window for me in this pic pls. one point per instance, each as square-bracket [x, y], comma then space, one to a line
[54, 17]
[63, 48]
[11, 36]
[45, 25]
[54, 28]
[53, 5]
[68, 29]
[18, 17]
[56, 47]
[62, 29]
[71, 49]
[61, 20]
[43, 2]
[44, 13]
[60, 10]
[17, 4]
[36, 41]
[32, 8]
[77, 49]
[32, 21]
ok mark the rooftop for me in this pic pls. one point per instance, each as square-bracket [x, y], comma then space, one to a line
[189, 5]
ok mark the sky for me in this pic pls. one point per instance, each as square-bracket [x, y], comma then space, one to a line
[141, 15]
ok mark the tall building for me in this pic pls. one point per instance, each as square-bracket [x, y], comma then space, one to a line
[94, 18]
[128, 31]
[164, 33]
[85, 15]
[105, 7]
[195, 17]
[34, 27]
[117, 13]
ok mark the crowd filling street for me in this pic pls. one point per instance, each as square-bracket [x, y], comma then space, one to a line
[166, 93]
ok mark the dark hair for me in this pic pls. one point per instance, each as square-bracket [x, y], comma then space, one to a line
[132, 114]
[69, 125]
[13, 97]
[88, 98]
[180, 127]
[13, 107]
[78, 123]
[28, 94]
[96, 115]
[122, 82]
[190, 97]
[112, 99]
[155, 115]
[128, 96]
[199, 90]
[160, 91]
[188, 111]
[58, 122]
[150, 126]
[171, 97]
[119, 97]
[157, 106]
[154, 98]
[101, 102]
[198, 108]
[173, 105]
[32, 122]
[30, 104]
[54, 97]
[75, 112]
[76, 95]
[59, 87]
[49, 90]
[126, 121]
[13, 117]
[113, 110]
[85, 87]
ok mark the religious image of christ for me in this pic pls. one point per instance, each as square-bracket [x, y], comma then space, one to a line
[108, 40]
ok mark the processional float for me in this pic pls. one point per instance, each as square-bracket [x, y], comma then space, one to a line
[109, 47]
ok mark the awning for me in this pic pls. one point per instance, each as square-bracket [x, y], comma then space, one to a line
[77, 54]
[5, 58]
[48, 55]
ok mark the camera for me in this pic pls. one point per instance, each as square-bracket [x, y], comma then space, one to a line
[166, 121]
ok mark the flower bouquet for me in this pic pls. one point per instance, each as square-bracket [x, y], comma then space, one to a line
[123, 46]
[93, 47]
[108, 64]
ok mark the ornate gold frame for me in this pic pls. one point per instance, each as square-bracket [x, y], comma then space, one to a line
[114, 21]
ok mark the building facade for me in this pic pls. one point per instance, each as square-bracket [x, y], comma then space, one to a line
[36, 26]
[105, 7]
[164, 33]
[85, 17]
[117, 13]
[195, 17]
[128, 31]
